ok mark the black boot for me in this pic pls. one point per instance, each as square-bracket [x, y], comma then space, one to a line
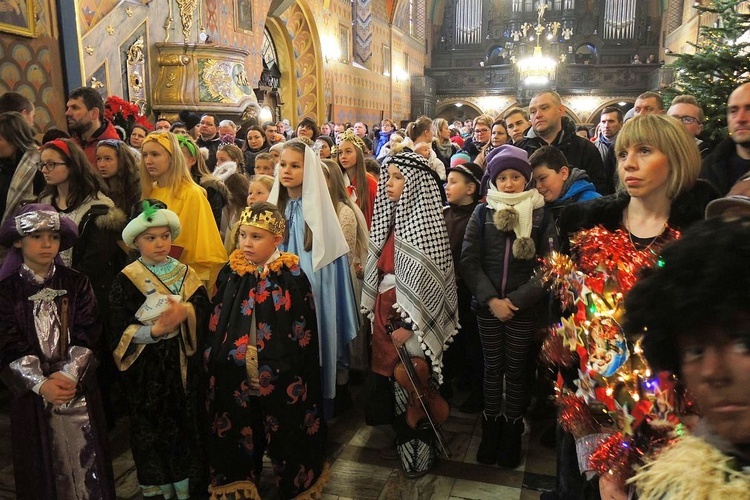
[491, 430]
[510, 437]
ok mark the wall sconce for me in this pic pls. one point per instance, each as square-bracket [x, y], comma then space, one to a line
[331, 49]
[400, 75]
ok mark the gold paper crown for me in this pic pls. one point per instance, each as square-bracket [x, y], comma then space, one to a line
[350, 136]
[264, 220]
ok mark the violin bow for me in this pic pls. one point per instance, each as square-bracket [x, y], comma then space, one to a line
[403, 355]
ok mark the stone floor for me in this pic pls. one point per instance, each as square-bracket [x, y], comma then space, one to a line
[359, 472]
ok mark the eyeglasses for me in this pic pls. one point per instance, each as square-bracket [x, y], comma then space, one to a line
[481, 130]
[49, 165]
[687, 120]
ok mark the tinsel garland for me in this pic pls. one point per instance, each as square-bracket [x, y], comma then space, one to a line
[615, 391]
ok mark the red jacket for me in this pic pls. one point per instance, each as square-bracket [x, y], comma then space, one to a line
[106, 131]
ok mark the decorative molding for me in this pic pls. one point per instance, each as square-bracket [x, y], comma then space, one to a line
[187, 14]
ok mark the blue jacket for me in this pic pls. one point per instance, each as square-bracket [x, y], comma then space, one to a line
[383, 137]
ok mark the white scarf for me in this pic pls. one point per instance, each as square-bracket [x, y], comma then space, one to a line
[524, 203]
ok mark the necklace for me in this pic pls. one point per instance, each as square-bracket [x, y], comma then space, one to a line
[630, 235]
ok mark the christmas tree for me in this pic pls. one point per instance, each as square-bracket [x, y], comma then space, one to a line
[720, 63]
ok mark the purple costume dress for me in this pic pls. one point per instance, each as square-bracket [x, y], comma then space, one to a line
[59, 451]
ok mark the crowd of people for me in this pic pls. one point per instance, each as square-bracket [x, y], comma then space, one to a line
[221, 291]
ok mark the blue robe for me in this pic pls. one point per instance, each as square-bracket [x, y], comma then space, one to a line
[333, 294]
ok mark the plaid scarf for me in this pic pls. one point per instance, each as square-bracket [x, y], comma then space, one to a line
[425, 279]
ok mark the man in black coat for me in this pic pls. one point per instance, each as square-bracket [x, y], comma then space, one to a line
[730, 159]
[550, 126]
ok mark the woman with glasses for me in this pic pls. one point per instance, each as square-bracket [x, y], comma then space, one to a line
[76, 192]
[118, 166]
[481, 136]
[166, 177]
[498, 137]
[19, 179]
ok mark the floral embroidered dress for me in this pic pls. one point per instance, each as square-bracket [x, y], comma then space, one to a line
[263, 325]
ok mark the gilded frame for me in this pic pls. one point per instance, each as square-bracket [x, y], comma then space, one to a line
[19, 19]
[243, 16]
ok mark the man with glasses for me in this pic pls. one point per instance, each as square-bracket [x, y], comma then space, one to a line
[730, 159]
[550, 126]
[86, 123]
[209, 138]
[686, 109]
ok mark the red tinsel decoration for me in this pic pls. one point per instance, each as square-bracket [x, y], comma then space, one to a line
[598, 250]
[575, 416]
[554, 352]
[615, 458]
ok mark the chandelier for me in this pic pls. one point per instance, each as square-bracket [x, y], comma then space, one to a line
[538, 69]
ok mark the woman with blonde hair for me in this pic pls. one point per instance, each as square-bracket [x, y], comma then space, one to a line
[165, 176]
[442, 145]
[659, 194]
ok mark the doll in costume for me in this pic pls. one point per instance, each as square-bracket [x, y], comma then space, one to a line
[264, 388]
[157, 325]
[49, 331]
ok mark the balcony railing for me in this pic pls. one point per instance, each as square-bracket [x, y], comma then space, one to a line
[571, 78]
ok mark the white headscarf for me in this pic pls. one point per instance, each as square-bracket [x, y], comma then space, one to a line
[329, 242]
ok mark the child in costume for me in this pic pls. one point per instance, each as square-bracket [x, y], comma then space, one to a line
[503, 240]
[158, 318]
[693, 314]
[301, 194]
[49, 330]
[166, 177]
[262, 358]
[409, 283]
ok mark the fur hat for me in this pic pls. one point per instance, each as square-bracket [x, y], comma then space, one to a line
[151, 216]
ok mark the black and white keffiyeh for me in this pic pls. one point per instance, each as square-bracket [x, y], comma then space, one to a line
[425, 278]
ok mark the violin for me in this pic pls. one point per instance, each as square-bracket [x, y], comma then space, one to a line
[425, 403]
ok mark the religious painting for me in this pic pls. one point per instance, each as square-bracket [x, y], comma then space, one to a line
[243, 16]
[17, 17]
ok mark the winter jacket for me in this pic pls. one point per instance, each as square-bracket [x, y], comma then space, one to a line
[106, 131]
[489, 268]
[383, 137]
[576, 189]
[687, 208]
[717, 167]
[580, 153]
[472, 148]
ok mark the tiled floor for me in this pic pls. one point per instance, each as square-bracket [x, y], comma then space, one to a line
[359, 472]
